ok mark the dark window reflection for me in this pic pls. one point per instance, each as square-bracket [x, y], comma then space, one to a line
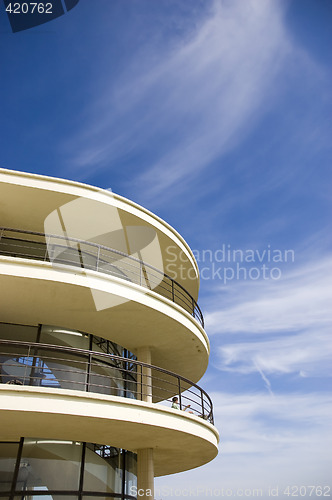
[42, 366]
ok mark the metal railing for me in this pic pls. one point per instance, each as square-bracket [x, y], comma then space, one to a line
[61, 250]
[44, 365]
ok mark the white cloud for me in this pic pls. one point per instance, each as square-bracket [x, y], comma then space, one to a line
[207, 92]
[280, 327]
[301, 299]
[266, 441]
[307, 354]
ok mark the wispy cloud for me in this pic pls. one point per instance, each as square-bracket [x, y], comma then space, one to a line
[254, 417]
[267, 441]
[264, 377]
[204, 94]
[279, 327]
[308, 353]
[301, 299]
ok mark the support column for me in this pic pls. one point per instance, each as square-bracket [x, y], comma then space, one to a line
[145, 374]
[145, 474]
[145, 466]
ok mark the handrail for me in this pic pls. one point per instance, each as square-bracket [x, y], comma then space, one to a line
[94, 371]
[105, 261]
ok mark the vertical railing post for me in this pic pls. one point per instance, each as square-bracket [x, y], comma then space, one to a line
[98, 258]
[202, 399]
[46, 249]
[180, 399]
[26, 365]
[140, 274]
[33, 369]
[124, 374]
[88, 372]
[141, 382]
[144, 356]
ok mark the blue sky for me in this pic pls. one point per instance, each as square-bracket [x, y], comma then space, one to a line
[217, 117]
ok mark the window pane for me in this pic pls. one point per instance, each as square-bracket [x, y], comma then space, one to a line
[103, 469]
[56, 335]
[8, 454]
[16, 365]
[60, 369]
[49, 465]
[13, 368]
[131, 472]
[106, 377]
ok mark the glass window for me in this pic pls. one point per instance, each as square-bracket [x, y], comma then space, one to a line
[47, 463]
[100, 344]
[47, 466]
[56, 335]
[102, 469]
[65, 370]
[13, 367]
[106, 376]
[8, 454]
[40, 366]
[131, 472]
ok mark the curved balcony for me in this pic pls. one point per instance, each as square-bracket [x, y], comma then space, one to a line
[59, 367]
[65, 251]
[94, 214]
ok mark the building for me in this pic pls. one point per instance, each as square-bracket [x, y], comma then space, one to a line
[99, 331]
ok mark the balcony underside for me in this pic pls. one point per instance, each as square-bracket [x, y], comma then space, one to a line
[180, 441]
[37, 292]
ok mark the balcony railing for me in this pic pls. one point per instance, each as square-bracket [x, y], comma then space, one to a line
[61, 250]
[44, 365]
